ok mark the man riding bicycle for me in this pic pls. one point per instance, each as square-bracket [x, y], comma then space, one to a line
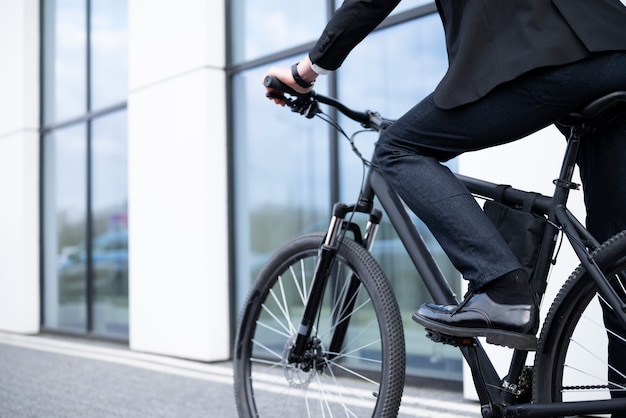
[515, 67]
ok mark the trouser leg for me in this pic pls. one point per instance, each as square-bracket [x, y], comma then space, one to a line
[602, 164]
[410, 153]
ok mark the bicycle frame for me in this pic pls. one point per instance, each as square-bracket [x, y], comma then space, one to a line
[496, 394]
[493, 391]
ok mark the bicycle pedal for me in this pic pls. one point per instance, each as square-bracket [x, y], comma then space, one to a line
[455, 341]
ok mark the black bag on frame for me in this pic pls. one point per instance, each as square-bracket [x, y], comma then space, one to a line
[521, 230]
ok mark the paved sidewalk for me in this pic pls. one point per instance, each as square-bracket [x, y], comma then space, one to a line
[49, 376]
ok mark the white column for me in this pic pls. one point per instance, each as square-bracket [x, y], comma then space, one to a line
[19, 166]
[178, 242]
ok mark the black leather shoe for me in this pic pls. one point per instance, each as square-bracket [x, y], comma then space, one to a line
[479, 316]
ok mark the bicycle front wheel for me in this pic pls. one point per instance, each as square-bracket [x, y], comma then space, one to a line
[362, 377]
[582, 348]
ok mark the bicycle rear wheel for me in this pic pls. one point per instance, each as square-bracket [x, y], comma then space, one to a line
[581, 337]
[364, 378]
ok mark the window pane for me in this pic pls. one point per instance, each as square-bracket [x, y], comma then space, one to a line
[281, 175]
[410, 4]
[109, 242]
[268, 26]
[109, 51]
[65, 217]
[403, 6]
[65, 60]
[398, 75]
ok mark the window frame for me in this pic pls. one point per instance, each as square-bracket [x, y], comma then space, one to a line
[48, 128]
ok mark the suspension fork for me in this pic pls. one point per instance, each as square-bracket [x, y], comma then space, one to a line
[323, 270]
[348, 298]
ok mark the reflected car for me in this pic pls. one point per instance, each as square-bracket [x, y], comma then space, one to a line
[109, 263]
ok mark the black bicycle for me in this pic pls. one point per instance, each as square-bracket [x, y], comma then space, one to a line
[320, 333]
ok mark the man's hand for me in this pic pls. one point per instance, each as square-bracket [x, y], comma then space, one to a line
[285, 76]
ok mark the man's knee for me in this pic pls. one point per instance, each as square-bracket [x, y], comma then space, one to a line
[383, 149]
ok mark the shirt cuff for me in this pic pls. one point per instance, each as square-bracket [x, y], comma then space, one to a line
[319, 70]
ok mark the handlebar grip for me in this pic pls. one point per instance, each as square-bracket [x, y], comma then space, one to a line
[272, 82]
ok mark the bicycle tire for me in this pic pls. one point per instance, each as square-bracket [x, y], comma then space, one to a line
[364, 378]
[568, 365]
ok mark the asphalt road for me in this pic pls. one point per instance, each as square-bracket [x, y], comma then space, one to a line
[48, 376]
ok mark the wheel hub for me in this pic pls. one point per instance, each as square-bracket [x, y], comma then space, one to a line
[299, 374]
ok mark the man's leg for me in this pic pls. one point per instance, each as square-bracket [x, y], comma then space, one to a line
[409, 153]
[602, 163]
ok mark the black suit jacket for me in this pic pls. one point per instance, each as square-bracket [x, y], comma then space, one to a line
[489, 41]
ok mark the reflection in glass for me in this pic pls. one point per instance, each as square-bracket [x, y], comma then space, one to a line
[402, 73]
[109, 227]
[264, 27]
[65, 59]
[65, 216]
[281, 175]
[109, 51]
[85, 170]
[402, 7]
[409, 4]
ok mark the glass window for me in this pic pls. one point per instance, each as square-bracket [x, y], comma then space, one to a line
[85, 255]
[65, 59]
[401, 7]
[65, 219]
[410, 4]
[398, 75]
[282, 184]
[281, 175]
[109, 224]
[109, 48]
[264, 27]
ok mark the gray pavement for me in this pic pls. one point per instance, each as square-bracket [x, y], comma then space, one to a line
[50, 376]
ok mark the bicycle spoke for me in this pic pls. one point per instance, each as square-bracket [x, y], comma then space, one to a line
[287, 328]
[269, 350]
[320, 383]
[276, 331]
[363, 395]
[349, 354]
[354, 312]
[330, 395]
[580, 357]
[263, 361]
[284, 301]
[283, 308]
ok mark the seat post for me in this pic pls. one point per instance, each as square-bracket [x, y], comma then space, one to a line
[606, 110]
[564, 183]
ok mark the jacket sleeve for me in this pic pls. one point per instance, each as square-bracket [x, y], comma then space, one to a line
[350, 24]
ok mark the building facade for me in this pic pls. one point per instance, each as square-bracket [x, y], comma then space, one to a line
[144, 177]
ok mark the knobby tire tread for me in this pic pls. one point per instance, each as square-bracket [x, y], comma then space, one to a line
[567, 306]
[383, 300]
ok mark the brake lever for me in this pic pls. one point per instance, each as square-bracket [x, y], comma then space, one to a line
[281, 97]
[304, 104]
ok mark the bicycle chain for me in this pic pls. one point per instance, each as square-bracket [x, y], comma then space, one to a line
[586, 387]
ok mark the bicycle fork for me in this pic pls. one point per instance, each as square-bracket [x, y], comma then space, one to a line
[323, 271]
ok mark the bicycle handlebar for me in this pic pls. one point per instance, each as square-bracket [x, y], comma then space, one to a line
[306, 104]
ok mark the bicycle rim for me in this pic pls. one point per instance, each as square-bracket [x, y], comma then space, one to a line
[572, 362]
[364, 378]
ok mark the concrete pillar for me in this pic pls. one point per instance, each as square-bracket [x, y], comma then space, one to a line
[19, 166]
[178, 242]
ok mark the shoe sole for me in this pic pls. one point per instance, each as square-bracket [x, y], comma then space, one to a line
[503, 338]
